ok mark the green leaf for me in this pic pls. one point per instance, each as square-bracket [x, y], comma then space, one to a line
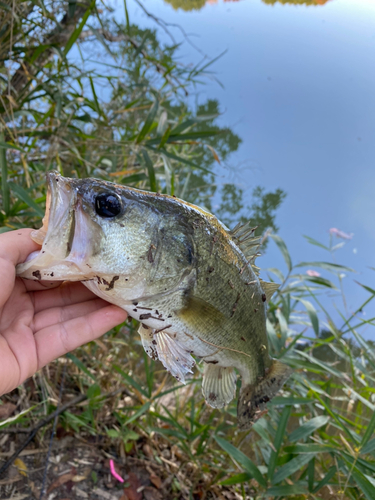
[190, 122]
[148, 122]
[369, 431]
[326, 479]
[311, 311]
[164, 137]
[281, 427]
[130, 380]
[364, 484]
[309, 448]
[77, 31]
[23, 195]
[328, 266]
[138, 413]
[8, 145]
[318, 280]
[308, 428]
[237, 479]
[286, 491]
[367, 288]
[242, 459]
[80, 365]
[93, 391]
[369, 448]
[4, 175]
[150, 170]
[315, 242]
[180, 159]
[291, 467]
[281, 244]
[281, 401]
[113, 433]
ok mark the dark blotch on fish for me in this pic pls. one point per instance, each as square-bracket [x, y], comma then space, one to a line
[111, 284]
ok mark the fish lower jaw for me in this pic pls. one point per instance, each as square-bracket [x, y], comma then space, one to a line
[42, 265]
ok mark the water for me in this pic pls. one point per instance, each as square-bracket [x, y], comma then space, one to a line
[299, 90]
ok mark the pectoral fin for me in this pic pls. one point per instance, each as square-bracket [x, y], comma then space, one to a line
[163, 346]
[148, 342]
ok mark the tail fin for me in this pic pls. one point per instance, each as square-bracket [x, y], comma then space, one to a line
[254, 397]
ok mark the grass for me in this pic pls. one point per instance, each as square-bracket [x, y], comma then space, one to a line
[317, 440]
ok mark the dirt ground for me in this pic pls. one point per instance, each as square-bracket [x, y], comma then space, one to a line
[79, 468]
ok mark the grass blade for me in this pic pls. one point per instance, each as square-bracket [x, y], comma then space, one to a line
[4, 174]
[278, 440]
[77, 31]
[242, 459]
[150, 170]
[283, 249]
[311, 311]
[326, 479]
[328, 266]
[369, 431]
[364, 484]
[286, 491]
[308, 428]
[148, 122]
[23, 195]
[291, 467]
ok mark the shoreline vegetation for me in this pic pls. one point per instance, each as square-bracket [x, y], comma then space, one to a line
[88, 96]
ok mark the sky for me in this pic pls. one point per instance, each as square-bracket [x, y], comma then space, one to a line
[298, 88]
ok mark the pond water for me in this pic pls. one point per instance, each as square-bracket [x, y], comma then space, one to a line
[299, 89]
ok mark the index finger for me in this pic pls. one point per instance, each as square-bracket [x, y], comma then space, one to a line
[16, 246]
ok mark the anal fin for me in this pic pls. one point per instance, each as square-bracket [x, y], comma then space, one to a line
[219, 385]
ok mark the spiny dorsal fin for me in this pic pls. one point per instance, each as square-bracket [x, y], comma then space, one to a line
[243, 236]
[269, 288]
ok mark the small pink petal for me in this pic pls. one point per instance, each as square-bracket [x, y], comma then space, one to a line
[310, 272]
[341, 234]
[114, 473]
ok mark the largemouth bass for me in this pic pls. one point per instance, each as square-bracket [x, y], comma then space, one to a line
[189, 281]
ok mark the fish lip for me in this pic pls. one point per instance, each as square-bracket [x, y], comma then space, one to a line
[55, 235]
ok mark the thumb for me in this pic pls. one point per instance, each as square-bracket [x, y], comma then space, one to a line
[15, 246]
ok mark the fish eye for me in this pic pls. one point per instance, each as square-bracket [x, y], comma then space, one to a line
[107, 205]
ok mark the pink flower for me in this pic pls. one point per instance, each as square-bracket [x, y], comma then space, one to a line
[310, 272]
[341, 234]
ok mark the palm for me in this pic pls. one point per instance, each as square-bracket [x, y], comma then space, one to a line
[37, 324]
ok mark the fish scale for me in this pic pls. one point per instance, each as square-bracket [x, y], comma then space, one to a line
[190, 281]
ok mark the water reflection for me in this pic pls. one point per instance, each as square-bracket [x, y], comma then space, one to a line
[296, 2]
[188, 5]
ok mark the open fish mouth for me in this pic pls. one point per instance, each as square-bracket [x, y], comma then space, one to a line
[63, 236]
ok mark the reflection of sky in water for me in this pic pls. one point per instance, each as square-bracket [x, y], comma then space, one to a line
[299, 89]
[188, 5]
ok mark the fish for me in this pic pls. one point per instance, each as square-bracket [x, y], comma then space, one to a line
[190, 281]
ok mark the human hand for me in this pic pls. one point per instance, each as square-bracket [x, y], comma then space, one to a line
[39, 324]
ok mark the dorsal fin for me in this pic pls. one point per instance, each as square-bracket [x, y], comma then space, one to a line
[269, 288]
[244, 238]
